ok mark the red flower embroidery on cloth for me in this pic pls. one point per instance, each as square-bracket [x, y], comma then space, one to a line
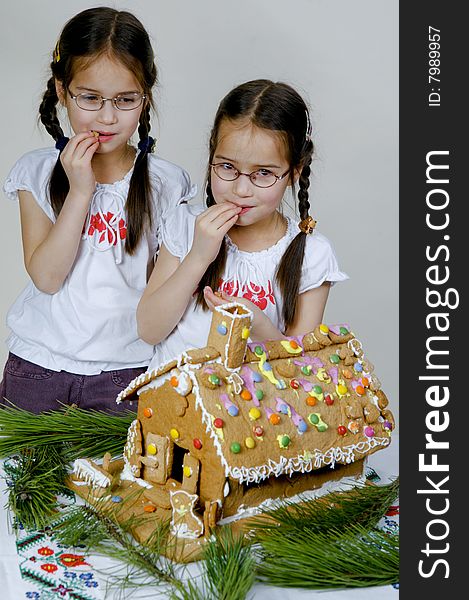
[45, 551]
[106, 229]
[392, 511]
[72, 560]
[252, 292]
[256, 294]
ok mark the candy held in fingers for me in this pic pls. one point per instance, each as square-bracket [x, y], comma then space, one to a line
[95, 133]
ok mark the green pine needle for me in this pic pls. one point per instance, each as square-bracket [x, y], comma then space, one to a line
[351, 557]
[364, 505]
[229, 569]
[86, 433]
[35, 478]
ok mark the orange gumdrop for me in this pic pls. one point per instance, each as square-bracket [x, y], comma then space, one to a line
[365, 381]
[293, 344]
[174, 381]
[147, 412]
[274, 419]
[246, 395]
[149, 508]
[310, 401]
[360, 390]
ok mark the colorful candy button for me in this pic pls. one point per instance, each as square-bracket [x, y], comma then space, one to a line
[233, 410]
[258, 430]
[187, 471]
[197, 443]
[294, 384]
[329, 400]
[149, 508]
[218, 423]
[258, 351]
[174, 381]
[283, 441]
[311, 401]
[358, 367]
[324, 328]
[360, 390]
[249, 443]
[341, 430]
[387, 425]
[259, 394]
[214, 379]
[147, 412]
[254, 414]
[274, 419]
[246, 395]
[369, 431]
[341, 389]
[151, 449]
[317, 389]
[222, 330]
[245, 333]
[116, 499]
[306, 370]
[235, 448]
[293, 344]
[334, 358]
[365, 382]
[174, 433]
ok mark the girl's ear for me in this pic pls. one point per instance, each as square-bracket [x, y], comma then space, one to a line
[60, 91]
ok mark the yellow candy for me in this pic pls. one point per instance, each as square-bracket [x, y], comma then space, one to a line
[341, 389]
[187, 471]
[151, 449]
[174, 433]
[323, 328]
[245, 333]
[249, 442]
[254, 414]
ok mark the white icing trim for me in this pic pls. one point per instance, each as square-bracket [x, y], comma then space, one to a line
[342, 485]
[83, 469]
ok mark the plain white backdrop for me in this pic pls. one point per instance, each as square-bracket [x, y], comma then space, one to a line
[342, 57]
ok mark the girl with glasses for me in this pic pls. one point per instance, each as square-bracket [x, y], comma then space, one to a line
[240, 246]
[90, 214]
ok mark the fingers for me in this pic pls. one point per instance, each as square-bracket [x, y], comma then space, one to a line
[218, 215]
[79, 145]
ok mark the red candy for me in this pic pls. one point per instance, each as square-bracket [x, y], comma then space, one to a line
[197, 443]
[218, 423]
[341, 430]
[329, 400]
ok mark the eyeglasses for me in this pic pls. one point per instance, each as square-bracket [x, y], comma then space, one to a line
[262, 178]
[88, 101]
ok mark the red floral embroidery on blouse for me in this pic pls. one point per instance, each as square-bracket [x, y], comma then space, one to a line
[106, 229]
[253, 292]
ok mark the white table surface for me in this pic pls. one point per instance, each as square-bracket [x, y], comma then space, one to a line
[12, 587]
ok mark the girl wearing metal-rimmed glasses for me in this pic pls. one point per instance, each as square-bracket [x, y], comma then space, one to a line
[90, 215]
[240, 246]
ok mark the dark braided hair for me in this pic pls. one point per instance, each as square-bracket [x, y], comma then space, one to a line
[276, 107]
[92, 33]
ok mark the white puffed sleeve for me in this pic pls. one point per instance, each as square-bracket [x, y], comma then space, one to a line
[177, 229]
[32, 173]
[319, 264]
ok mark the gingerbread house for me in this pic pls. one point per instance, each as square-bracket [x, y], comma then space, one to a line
[238, 424]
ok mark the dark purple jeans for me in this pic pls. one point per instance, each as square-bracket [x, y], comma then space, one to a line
[37, 389]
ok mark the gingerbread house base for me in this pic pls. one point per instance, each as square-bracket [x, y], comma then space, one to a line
[149, 507]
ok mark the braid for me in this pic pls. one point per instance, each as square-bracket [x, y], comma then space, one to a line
[214, 271]
[289, 270]
[48, 111]
[138, 205]
[58, 182]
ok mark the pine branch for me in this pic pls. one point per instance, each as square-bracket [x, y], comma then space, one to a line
[351, 557]
[35, 478]
[86, 433]
[363, 505]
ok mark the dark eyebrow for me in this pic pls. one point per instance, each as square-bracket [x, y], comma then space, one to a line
[230, 160]
[87, 89]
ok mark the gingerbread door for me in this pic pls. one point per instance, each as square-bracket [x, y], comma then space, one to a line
[155, 458]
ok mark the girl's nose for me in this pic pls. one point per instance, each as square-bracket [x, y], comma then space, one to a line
[242, 186]
[107, 113]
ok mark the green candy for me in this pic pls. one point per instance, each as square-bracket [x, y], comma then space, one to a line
[306, 370]
[334, 358]
[343, 331]
[235, 448]
[259, 394]
[214, 379]
[313, 418]
[317, 389]
[285, 441]
[258, 350]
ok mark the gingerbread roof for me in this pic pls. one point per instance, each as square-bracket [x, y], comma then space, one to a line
[283, 406]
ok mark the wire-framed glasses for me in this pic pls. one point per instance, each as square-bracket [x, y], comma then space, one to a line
[262, 178]
[91, 101]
